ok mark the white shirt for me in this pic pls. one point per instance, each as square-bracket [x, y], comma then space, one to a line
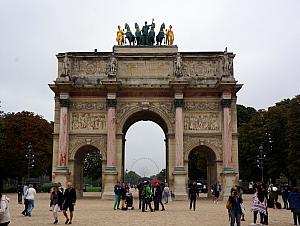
[30, 193]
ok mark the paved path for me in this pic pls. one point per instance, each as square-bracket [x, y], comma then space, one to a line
[91, 211]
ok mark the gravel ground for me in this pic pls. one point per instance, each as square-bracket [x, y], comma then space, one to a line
[94, 211]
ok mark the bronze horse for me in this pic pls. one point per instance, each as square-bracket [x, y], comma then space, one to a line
[130, 37]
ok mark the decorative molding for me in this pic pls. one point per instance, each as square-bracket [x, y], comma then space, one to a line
[201, 106]
[88, 106]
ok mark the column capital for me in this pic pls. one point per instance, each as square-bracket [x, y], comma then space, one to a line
[111, 103]
[226, 103]
[65, 102]
[178, 103]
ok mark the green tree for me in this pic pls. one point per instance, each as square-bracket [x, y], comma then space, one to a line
[19, 130]
[92, 166]
[132, 177]
[294, 139]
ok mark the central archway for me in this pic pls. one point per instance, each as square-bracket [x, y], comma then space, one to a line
[156, 121]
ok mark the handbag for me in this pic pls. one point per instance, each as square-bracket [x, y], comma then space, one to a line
[228, 205]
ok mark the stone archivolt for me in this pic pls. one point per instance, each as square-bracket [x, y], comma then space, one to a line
[215, 144]
[87, 121]
[164, 109]
[77, 142]
[203, 121]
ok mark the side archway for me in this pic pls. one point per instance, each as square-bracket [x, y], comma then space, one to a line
[202, 167]
[87, 164]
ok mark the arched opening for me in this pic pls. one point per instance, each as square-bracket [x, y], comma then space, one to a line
[202, 168]
[88, 171]
[145, 147]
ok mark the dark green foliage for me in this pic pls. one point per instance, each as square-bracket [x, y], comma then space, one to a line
[278, 130]
[17, 131]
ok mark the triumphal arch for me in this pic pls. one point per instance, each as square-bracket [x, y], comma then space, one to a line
[190, 95]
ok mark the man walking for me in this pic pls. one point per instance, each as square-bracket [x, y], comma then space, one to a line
[69, 202]
[193, 192]
[30, 197]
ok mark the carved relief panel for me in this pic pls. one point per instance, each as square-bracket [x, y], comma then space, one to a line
[201, 122]
[202, 68]
[87, 122]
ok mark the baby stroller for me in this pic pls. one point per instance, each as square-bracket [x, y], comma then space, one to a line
[129, 200]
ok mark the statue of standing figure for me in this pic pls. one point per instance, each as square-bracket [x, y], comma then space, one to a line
[178, 70]
[112, 67]
[145, 35]
[227, 68]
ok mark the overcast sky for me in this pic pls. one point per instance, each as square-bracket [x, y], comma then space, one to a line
[264, 35]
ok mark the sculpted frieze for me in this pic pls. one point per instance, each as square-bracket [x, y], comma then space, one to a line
[88, 106]
[81, 68]
[202, 122]
[201, 106]
[87, 121]
[201, 68]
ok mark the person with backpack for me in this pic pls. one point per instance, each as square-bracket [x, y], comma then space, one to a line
[147, 196]
[234, 208]
[4, 210]
[294, 201]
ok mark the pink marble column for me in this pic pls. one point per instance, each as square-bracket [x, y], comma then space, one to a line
[179, 132]
[63, 133]
[111, 132]
[227, 134]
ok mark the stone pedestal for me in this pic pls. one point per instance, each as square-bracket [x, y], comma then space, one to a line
[62, 175]
[229, 179]
[180, 182]
[110, 176]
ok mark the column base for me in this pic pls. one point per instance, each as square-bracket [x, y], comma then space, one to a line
[110, 178]
[180, 188]
[61, 175]
[229, 179]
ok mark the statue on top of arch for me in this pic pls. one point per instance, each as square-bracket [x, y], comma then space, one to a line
[144, 36]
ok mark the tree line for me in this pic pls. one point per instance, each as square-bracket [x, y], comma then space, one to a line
[17, 131]
[277, 129]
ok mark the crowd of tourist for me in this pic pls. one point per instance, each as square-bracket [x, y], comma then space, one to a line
[153, 196]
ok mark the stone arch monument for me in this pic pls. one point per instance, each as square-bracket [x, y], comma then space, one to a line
[190, 95]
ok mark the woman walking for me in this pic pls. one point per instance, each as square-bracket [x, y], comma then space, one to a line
[259, 205]
[4, 210]
[56, 200]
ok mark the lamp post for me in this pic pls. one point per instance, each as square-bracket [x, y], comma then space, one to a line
[260, 160]
[30, 159]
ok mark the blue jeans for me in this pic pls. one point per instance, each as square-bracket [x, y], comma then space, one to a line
[235, 216]
[30, 206]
